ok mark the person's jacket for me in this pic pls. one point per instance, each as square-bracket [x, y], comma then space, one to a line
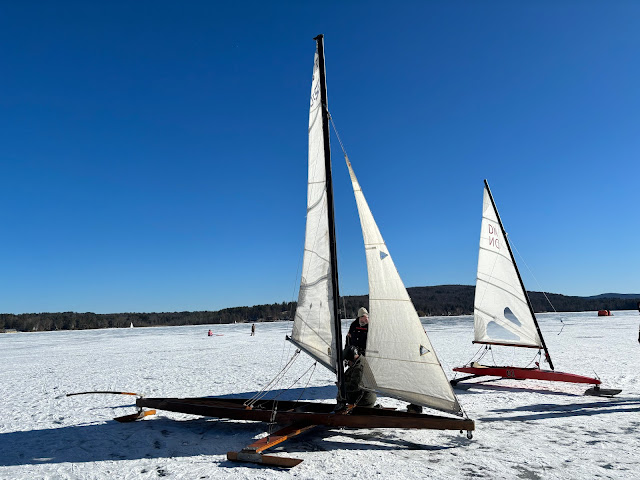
[352, 380]
[357, 335]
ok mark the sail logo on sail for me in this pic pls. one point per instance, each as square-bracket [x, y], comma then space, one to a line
[315, 93]
[494, 241]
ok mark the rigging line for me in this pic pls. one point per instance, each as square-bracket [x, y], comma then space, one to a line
[261, 394]
[313, 366]
[534, 277]
[486, 348]
[286, 349]
[308, 381]
[539, 286]
[476, 354]
[276, 383]
[276, 379]
[344, 152]
[272, 421]
[462, 410]
[539, 354]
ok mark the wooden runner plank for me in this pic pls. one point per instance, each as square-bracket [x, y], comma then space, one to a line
[277, 437]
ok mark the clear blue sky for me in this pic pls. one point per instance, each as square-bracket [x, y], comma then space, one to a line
[153, 154]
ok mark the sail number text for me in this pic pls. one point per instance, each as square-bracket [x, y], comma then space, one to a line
[494, 241]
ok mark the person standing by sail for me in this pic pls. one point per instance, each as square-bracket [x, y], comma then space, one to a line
[358, 331]
[253, 329]
[353, 378]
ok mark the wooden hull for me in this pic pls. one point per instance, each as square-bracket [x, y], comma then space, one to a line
[517, 373]
[307, 413]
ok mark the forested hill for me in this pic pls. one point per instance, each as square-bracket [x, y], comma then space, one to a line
[458, 300]
[429, 301]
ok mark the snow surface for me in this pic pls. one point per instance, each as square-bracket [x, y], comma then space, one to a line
[524, 429]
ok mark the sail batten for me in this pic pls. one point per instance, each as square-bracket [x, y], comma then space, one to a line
[400, 361]
[502, 344]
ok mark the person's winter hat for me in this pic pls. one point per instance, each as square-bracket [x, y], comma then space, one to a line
[349, 353]
[362, 312]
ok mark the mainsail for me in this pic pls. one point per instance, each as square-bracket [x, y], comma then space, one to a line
[314, 323]
[502, 313]
[400, 360]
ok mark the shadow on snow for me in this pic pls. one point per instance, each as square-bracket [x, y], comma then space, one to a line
[547, 410]
[468, 389]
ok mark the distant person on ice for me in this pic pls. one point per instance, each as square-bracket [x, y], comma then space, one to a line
[353, 378]
[358, 331]
[210, 334]
[253, 329]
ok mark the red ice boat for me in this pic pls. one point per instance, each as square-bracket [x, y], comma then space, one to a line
[503, 314]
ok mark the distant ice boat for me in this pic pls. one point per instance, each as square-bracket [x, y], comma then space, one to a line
[502, 312]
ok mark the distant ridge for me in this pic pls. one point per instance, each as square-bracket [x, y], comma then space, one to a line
[458, 300]
[439, 300]
[615, 295]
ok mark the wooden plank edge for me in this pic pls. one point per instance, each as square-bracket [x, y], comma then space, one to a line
[135, 416]
[269, 460]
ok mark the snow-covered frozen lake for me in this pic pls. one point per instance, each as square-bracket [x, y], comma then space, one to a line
[524, 429]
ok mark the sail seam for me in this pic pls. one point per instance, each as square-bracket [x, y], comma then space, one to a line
[389, 300]
[507, 344]
[401, 360]
[501, 288]
[321, 200]
[316, 254]
[498, 253]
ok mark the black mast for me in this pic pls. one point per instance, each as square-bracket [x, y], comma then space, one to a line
[332, 223]
[513, 260]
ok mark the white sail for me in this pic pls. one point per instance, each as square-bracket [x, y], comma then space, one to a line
[313, 327]
[501, 312]
[400, 360]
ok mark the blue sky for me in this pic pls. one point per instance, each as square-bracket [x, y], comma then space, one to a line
[153, 154]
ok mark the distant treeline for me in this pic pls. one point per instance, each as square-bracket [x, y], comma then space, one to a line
[429, 301]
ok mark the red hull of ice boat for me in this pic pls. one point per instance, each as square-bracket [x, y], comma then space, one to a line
[517, 373]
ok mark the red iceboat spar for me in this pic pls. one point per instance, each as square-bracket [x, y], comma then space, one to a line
[502, 311]
[519, 373]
